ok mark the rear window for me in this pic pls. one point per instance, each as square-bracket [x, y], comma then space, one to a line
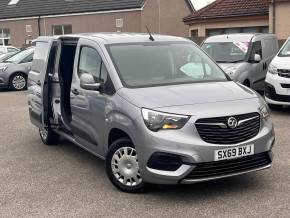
[40, 56]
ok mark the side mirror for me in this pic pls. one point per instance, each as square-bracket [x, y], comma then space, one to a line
[257, 58]
[87, 82]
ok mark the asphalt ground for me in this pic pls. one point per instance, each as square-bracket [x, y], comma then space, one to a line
[66, 181]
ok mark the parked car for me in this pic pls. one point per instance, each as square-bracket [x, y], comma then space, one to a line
[244, 57]
[6, 49]
[157, 109]
[13, 71]
[6, 56]
[277, 90]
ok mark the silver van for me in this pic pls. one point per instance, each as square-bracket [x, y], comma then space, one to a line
[157, 108]
[244, 57]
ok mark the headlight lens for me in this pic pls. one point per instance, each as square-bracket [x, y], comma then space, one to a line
[3, 69]
[265, 111]
[272, 69]
[155, 120]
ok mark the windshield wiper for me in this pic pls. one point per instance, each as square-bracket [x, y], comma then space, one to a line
[230, 62]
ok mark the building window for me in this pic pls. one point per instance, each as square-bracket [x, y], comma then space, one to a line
[28, 28]
[4, 36]
[119, 23]
[255, 29]
[194, 33]
[61, 29]
[232, 30]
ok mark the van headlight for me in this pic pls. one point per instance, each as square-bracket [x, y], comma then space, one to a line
[265, 111]
[155, 120]
[272, 69]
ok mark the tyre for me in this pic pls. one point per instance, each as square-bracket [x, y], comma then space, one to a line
[18, 82]
[122, 167]
[275, 107]
[48, 136]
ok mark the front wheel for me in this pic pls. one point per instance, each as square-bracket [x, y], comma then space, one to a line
[18, 82]
[122, 166]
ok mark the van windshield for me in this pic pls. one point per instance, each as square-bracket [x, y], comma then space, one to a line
[157, 64]
[227, 52]
[285, 52]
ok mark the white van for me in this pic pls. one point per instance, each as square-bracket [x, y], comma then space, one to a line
[245, 57]
[277, 89]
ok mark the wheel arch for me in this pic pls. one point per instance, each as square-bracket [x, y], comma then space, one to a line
[115, 134]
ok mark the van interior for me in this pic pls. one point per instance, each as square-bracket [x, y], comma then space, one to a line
[65, 63]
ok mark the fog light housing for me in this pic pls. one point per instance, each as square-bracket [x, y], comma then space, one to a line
[164, 161]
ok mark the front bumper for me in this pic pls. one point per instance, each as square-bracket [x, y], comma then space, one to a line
[277, 90]
[3, 83]
[222, 169]
[187, 144]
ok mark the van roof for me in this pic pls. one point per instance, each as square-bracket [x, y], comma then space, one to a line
[111, 38]
[238, 37]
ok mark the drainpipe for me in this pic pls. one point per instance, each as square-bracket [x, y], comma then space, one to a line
[274, 16]
[38, 23]
[159, 17]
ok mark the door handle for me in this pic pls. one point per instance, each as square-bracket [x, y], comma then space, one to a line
[75, 92]
[38, 83]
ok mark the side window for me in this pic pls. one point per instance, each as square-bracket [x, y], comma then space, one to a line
[90, 62]
[40, 56]
[28, 59]
[108, 87]
[257, 49]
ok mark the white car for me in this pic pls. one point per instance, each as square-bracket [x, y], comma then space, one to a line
[277, 87]
[7, 49]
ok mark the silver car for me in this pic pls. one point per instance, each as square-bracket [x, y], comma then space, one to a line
[156, 108]
[14, 71]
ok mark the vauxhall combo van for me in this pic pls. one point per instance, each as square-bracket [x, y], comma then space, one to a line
[244, 57]
[156, 108]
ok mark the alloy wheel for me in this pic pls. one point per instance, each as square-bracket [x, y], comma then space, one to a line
[19, 82]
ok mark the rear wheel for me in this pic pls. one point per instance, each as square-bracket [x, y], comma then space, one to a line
[18, 82]
[122, 166]
[48, 136]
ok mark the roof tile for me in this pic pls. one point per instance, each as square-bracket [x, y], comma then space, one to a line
[230, 8]
[31, 8]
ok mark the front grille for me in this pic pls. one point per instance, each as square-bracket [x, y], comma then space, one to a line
[270, 92]
[219, 168]
[285, 86]
[284, 73]
[211, 132]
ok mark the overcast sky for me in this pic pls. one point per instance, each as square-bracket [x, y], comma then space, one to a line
[200, 3]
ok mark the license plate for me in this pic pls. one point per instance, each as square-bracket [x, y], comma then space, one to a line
[235, 152]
